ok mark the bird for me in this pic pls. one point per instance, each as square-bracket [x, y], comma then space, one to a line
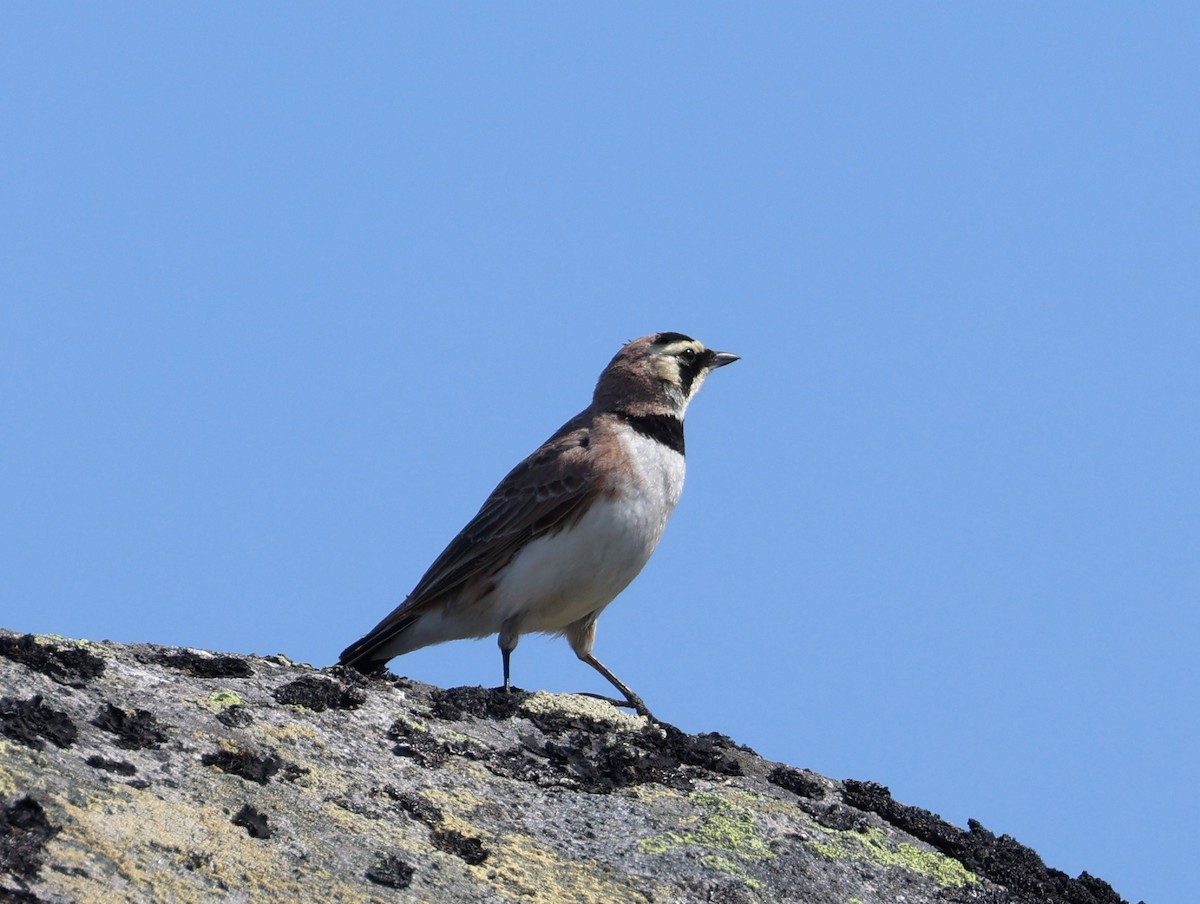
[569, 527]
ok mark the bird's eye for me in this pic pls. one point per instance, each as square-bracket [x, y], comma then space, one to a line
[688, 354]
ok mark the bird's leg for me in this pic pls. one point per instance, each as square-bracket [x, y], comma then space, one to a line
[508, 642]
[632, 700]
[581, 635]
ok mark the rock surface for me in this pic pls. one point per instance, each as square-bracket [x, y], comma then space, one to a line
[146, 773]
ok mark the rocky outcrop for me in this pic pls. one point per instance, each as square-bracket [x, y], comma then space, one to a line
[145, 773]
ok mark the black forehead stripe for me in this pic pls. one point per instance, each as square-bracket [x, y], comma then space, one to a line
[668, 338]
[663, 428]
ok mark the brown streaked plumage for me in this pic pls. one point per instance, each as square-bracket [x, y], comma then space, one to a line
[569, 527]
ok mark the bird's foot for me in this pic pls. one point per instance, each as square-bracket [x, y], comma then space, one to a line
[634, 702]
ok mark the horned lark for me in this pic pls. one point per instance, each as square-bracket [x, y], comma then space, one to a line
[570, 526]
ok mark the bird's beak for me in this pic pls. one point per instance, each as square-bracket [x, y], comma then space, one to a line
[720, 359]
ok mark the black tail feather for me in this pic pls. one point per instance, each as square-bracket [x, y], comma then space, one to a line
[364, 654]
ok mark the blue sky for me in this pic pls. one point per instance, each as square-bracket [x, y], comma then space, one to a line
[286, 290]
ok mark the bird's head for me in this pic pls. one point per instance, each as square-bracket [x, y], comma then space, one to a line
[657, 374]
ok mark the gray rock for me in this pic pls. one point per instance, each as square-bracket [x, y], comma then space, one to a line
[145, 773]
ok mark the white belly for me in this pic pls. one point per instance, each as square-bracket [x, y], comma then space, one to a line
[557, 580]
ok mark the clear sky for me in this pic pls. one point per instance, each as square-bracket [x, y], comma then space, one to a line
[286, 289]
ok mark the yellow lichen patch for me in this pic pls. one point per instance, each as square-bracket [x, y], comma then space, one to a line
[456, 803]
[567, 705]
[874, 846]
[406, 718]
[131, 845]
[721, 825]
[113, 835]
[450, 819]
[290, 735]
[223, 699]
[727, 830]
[449, 734]
[725, 865]
[763, 803]
[8, 782]
[69, 641]
[522, 866]
[654, 792]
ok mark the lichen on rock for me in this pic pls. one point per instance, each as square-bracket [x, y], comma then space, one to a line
[139, 773]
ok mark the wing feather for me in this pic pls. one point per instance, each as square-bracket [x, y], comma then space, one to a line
[544, 493]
